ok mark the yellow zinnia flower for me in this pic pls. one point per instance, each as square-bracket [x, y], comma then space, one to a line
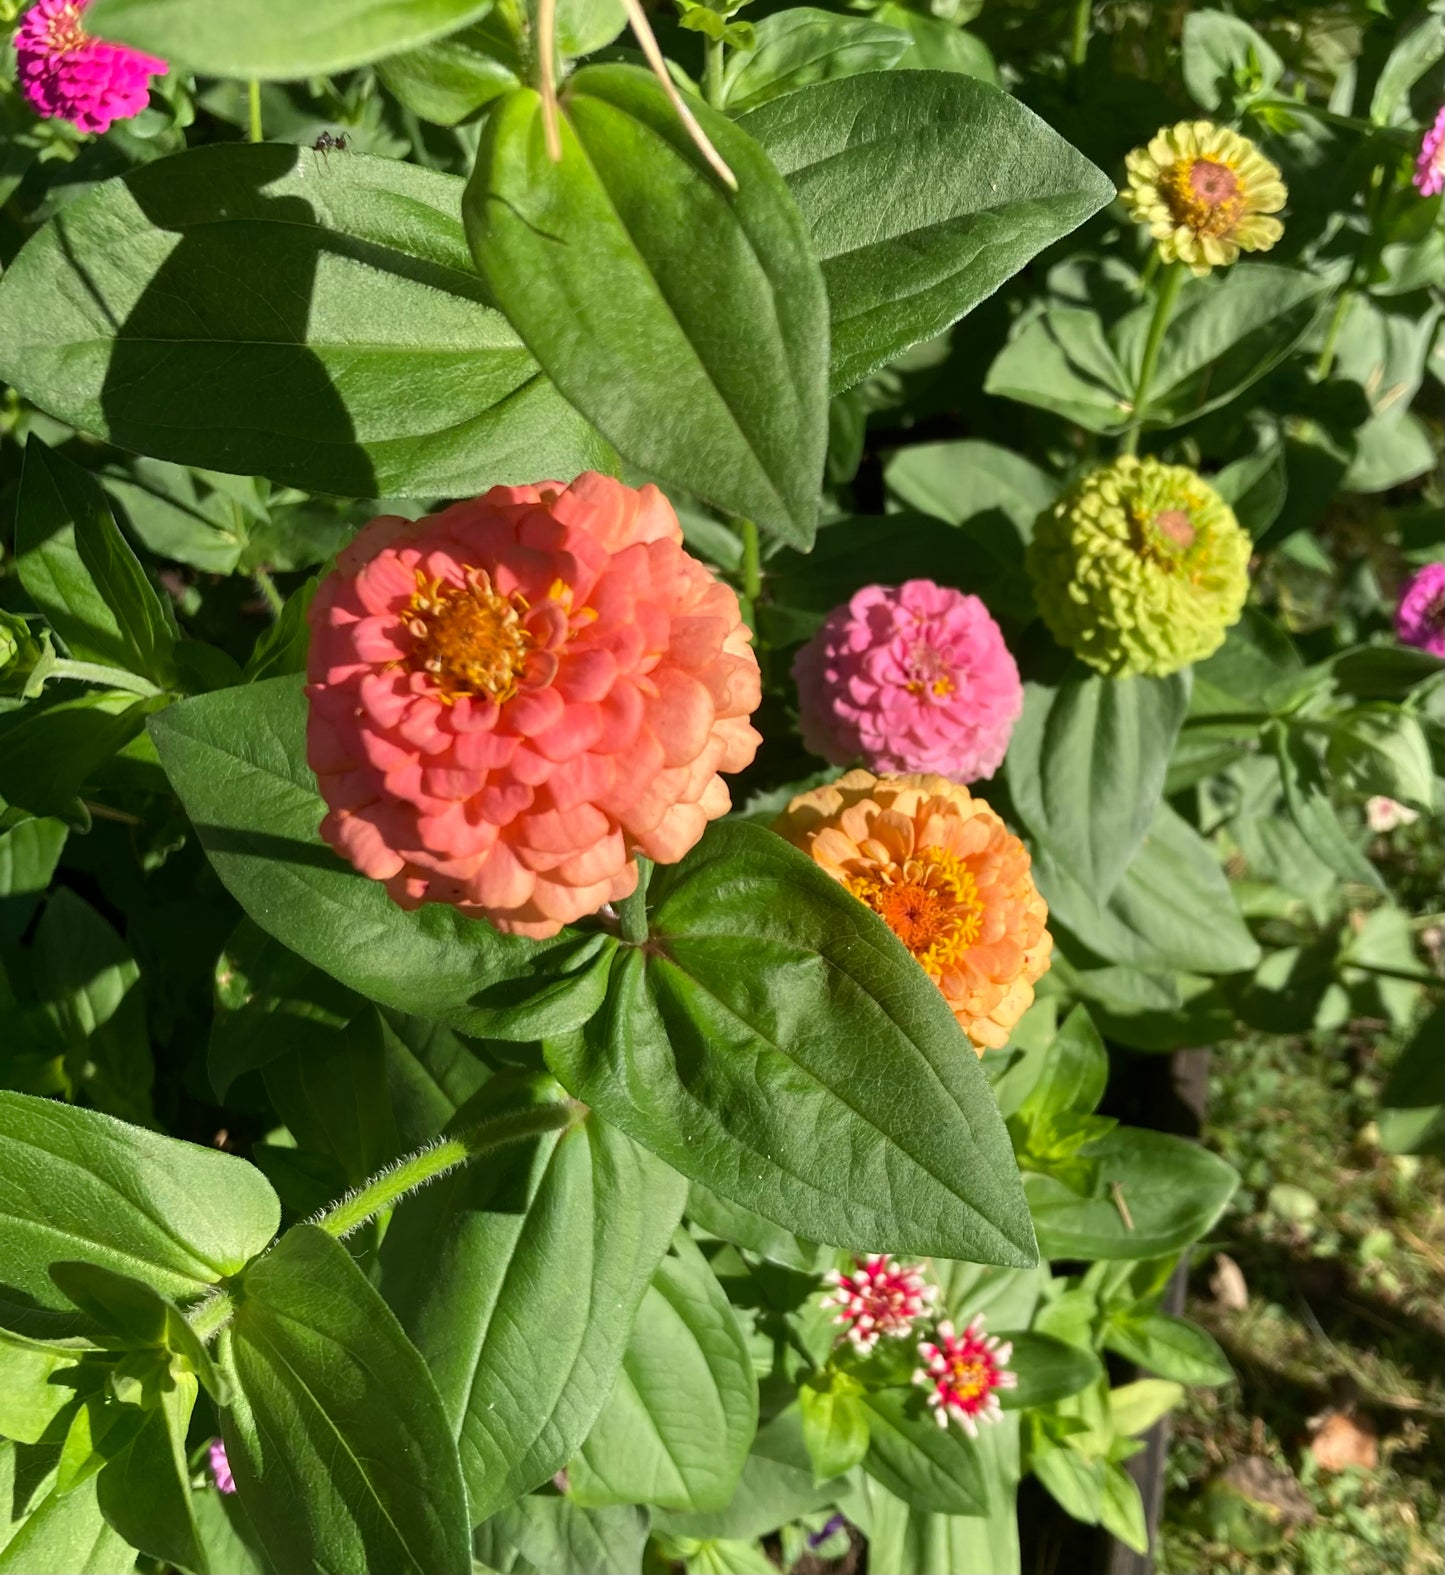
[1205, 193]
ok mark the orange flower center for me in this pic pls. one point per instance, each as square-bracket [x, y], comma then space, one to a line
[469, 637]
[1203, 195]
[930, 902]
[970, 1376]
[65, 32]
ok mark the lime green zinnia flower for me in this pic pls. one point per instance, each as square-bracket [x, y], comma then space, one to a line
[1205, 193]
[1139, 568]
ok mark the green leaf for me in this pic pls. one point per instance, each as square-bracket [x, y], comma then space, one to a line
[338, 1439]
[1306, 796]
[1412, 1114]
[1047, 1370]
[1419, 48]
[66, 1535]
[678, 1425]
[271, 39]
[29, 852]
[924, 191]
[1121, 1508]
[552, 1532]
[562, 1236]
[687, 322]
[803, 45]
[78, 1184]
[1169, 1347]
[450, 79]
[370, 364]
[1086, 767]
[732, 1222]
[50, 749]
[81, 573]
[927, 1466]
[964, 478]
[1173, 909]
[1172, 1192]
[774, 1041]
[835, 1423]
[1222, 55]
[1073, 1071]
[1133, 1408]
[238, 760]
[37, 1382]
[1075, 1483]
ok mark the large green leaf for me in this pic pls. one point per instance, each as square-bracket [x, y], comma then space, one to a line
[677, 1428]
[1156, 1194]
[275, 312]
[687, 322]
[552, 1532]
[275, 39]
[238, 760]
[518, 1279]
[66, 1535]
[29, 852]
[924, 191]
[76, 1184]
[337, 1435]
[1086, 765]
[774, 1041]
[801, 45]
[927, 1466]
[81, 573]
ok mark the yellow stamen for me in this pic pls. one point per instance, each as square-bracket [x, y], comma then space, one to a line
[469, 638]
[930, 902]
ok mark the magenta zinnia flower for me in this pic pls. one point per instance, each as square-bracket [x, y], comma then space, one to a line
[68, 75]
[1429, 176]
[964, 1374]
[221, 1467]
[880, 1296]
[1420, 617]
[912, 678]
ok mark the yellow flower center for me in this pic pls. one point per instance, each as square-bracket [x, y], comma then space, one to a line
[65, 32]
[468, 637]
[930, 902]
[1203, 194]
[969, 1376]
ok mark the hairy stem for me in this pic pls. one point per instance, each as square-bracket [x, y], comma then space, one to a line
[712, 71]
[99, 673]
[273, 598]
[632, 911]
[1169, 285]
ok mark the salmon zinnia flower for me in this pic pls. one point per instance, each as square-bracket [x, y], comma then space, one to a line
[946, 876]
[1205, 193]
[512, 698]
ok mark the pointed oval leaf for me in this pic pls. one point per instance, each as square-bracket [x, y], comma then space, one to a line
[278, 312]
[687, 322]
[927, 1466]
[775, 1042]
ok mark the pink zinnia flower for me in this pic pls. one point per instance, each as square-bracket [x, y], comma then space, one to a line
[512, 698]
[221, 1467]
[68, 75]
[1420, 617]
[1429, 176]
[879, 1297]
[964, 1374]
[912, 678]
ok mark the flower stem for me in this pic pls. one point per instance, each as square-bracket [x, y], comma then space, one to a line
[98, 673]
[1079, 42]
[632, 911]
[1169, 285]
[253, 101]
[712, 71]
[273, 598]
[1332, 334]
[752, 561]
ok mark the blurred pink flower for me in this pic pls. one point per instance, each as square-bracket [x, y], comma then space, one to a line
[1420, 617]
[1429, 174]
[68, 75]
[512, 698]
[880, 1296]
[220, 1467]
[963, 1375]
[909, 678]
[1384, 814]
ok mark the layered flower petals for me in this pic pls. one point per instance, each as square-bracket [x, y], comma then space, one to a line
[912, 678]
[65, 74]
[500, 716]
[1420, 617]
[947, 877]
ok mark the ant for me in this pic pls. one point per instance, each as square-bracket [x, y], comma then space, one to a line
[326, 143]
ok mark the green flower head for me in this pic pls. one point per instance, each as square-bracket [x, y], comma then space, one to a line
[1139, 568]
[25, 658]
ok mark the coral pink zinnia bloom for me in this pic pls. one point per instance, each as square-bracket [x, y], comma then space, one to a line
[511, 698]
[912, 678]
[963, 1375]
[1420, 617]
[879, 1296]
[68, 75]
[1429, 176]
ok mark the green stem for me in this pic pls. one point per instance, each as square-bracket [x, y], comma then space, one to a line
[253, 101]
[1431, 981]
[98, 673]
[1169, 286]
[1332, 333]
[752, 564]
[712, 71]
[1079, 42]
[1367, 128]
[273, 598]
[632, 911]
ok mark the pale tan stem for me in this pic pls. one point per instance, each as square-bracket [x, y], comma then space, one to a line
[547, 76]
[642, 30]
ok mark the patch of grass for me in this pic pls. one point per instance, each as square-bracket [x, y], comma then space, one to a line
[1340, 1247]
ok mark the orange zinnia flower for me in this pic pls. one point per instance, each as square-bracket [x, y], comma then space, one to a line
[947, 877]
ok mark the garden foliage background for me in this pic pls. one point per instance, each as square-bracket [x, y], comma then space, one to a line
[485, 1250]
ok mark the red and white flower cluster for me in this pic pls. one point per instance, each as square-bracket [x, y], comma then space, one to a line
[880, 1297]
